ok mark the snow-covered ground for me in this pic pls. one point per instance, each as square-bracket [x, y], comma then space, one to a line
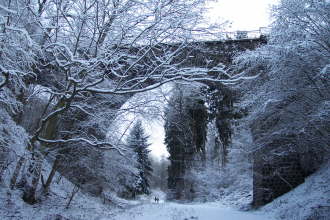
[145, 208]
[148, 209]
[176, 211]
[82, 207]
[311, 199]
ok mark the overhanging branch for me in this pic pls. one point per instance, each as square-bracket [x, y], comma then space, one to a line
[99, 145]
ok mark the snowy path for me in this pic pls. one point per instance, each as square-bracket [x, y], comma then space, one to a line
[175, 211]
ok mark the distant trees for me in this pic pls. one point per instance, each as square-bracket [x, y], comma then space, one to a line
[138, 141]
[159, 177]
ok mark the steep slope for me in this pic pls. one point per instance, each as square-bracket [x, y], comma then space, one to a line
[310, 200]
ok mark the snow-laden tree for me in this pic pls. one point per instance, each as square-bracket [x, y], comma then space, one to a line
[78, 49]
[185, 137]
[288, 104]
[138, 141]
[87, 52]
[298, 44]
[294, 65]
[90, 44]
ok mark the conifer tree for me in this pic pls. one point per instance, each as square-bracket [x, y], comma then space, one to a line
[138, 140]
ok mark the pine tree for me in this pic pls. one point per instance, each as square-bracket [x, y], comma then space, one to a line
[138, 140]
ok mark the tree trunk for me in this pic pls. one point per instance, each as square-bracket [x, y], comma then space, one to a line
[74, 192]
[32, 175]
[17, 171]
[52, 174]
[4, 155]
[32, 178]
[2, 168]
[223, 155]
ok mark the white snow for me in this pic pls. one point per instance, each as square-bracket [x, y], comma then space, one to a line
[82, 207]
[298, 204]
[176, 211]
[7, 9]
[85, 207]
[310, 200]
[148, 209]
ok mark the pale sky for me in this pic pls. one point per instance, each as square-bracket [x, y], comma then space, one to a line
[148, 107]
[245, 15]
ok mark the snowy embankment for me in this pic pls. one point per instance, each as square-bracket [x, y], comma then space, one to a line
[310, 200]
[54, 205]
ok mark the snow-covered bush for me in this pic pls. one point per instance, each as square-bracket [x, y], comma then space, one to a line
[13, 142]
[293, 63]
[231, 183]
[286, 102]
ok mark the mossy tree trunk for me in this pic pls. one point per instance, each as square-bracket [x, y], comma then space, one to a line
[17, 171]
[47, 130]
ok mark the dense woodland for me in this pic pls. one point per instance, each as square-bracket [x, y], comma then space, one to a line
[68, 68]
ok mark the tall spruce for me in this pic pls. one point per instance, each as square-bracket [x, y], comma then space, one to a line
[138, 140]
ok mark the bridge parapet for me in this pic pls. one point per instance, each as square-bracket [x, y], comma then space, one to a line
[233, 35]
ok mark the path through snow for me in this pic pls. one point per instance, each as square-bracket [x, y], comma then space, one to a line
[175, 211]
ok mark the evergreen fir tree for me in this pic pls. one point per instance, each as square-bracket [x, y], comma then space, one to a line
[138, 140]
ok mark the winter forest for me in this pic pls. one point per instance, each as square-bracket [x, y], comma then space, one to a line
[91, 89]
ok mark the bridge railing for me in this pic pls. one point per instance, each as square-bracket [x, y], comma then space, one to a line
[234, 35]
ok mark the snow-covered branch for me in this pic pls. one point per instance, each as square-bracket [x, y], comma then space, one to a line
[8, 10]
[98, 145]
